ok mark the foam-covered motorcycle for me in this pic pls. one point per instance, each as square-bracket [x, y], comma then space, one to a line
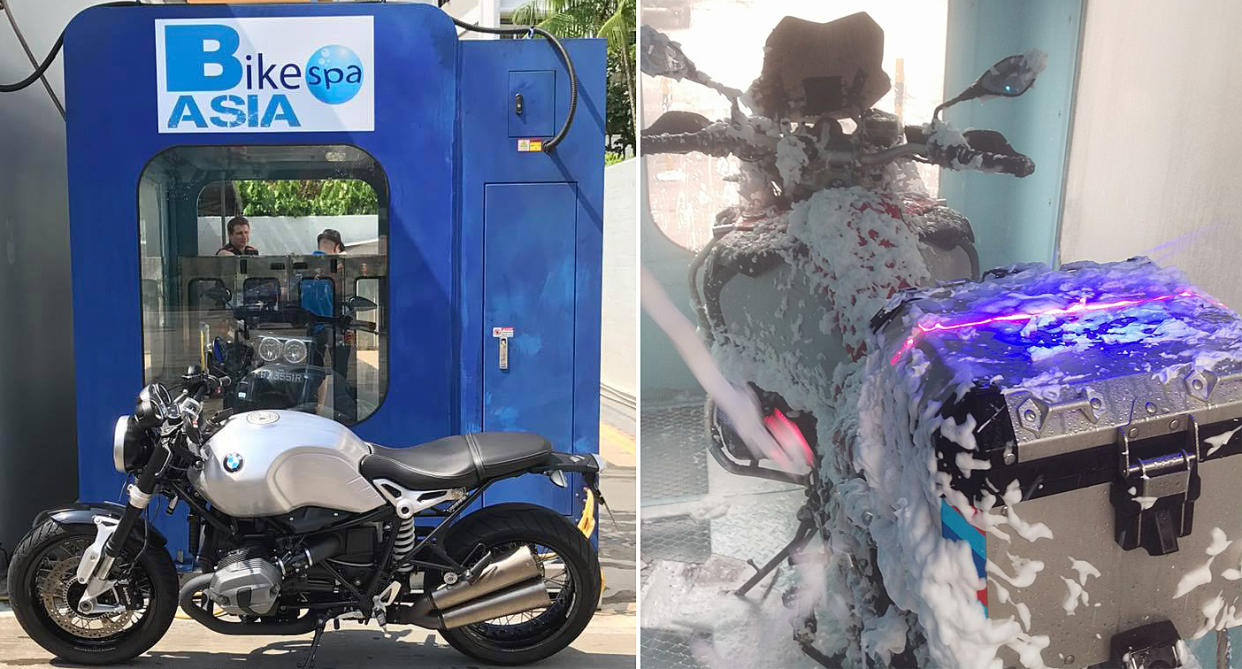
[833, 220]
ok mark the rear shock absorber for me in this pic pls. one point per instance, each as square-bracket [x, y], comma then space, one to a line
[404, 544]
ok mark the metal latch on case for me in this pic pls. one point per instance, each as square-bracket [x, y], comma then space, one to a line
[1154, 496]
[503, 334]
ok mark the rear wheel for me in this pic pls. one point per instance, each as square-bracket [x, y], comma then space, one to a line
[570, 567]
[45, 593]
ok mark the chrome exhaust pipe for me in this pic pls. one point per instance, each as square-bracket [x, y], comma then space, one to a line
[533, 595]
[518, 567]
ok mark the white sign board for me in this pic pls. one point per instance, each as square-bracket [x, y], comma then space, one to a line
[286, 74]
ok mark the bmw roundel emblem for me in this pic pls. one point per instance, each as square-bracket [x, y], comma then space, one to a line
[232, 462]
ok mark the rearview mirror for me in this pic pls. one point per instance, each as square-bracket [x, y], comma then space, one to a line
[358, 304]
[219, 294]
[1009, 77]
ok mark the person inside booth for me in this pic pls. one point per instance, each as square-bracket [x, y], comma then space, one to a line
[239, 239]
[330, 243]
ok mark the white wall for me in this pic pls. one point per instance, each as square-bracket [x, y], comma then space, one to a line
[1157, 135]
[620, 276]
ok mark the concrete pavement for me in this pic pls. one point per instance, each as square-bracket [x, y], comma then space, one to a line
[608, 643]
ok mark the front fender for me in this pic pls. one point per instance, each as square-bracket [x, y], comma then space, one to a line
[84, 513]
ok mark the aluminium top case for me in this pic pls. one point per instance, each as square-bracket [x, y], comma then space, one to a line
[1106, 402]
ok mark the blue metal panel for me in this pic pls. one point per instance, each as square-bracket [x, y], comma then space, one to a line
[441, 134]
[528, 285]
[490, 156]
[537, 115]
[110, 87]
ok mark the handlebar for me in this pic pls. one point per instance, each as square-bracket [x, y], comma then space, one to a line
[982, 150]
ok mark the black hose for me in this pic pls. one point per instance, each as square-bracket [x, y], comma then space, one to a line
[569, 65]
[34, 76]
[51, 56]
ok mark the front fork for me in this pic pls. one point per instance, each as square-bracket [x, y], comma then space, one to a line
[111, 535]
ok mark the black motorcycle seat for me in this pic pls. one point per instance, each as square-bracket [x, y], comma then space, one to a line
[459, 461]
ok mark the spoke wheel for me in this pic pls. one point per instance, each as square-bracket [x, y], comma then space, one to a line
[45, 595]
[59, 592]
[528, 627]
[569, 568]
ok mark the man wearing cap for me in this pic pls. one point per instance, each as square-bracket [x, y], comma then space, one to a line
[330, 243]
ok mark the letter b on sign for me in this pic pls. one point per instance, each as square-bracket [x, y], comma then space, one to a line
[200, 57]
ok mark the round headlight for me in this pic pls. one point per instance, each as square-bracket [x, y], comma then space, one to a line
[295, 351]
[118, 443]
[130, 443]
[269, 349]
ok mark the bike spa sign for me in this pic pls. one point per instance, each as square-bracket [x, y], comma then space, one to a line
[288, 74]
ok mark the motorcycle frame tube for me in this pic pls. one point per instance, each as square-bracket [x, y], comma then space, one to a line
[717, 448]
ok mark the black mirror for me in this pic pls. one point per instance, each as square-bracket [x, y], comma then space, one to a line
[218, 294]
[1009, 77]
[662, 57]
[358, 304]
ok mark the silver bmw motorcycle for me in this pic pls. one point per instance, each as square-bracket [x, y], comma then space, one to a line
[296, 522]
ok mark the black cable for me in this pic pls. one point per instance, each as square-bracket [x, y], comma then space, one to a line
[51, 56]
[21, 39]
[34, 76]
[569, 65]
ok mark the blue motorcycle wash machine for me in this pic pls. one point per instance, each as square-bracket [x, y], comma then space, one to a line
[468, 295]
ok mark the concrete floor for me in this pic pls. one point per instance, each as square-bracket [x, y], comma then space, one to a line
[607, 643]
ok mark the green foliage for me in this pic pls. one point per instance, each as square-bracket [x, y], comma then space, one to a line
[613, 20]
[612, 158]
[312, 197]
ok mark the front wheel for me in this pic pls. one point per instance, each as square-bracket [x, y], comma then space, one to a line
[44, 593]
[570, 567]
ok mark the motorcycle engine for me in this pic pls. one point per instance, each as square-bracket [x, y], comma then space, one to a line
[245, 583]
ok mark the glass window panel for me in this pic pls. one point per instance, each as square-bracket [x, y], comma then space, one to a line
[272, 303]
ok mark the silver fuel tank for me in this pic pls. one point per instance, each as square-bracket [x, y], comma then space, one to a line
[265, 463]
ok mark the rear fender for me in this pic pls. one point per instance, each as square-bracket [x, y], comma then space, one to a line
[587, 464]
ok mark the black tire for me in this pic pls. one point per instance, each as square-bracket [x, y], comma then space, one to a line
[154, 572]
[554, 628]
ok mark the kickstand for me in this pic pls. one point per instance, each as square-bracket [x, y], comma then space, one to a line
[314, 649]
[805, 529]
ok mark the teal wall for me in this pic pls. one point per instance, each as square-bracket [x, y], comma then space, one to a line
[1015, 220]
[663, 374]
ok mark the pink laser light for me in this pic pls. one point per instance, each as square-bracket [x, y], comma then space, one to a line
[1081, 306]
[788, 435]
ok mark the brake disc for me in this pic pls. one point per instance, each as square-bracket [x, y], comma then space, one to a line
[60, 592]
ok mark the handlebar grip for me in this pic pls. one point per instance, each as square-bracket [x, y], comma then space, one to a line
[1018, 165]
[962, 157]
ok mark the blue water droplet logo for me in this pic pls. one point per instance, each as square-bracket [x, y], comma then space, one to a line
[334, 74]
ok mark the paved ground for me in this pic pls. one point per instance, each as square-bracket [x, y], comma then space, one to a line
[617, 542]
[608, 642]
